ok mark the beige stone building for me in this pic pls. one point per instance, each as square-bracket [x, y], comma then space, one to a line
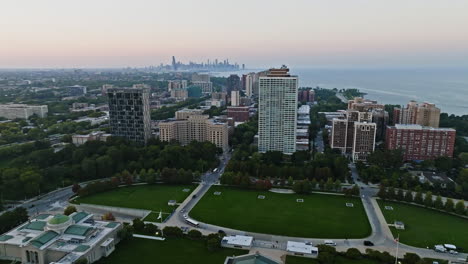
[23, 111]
[191, 125]
[425, 114]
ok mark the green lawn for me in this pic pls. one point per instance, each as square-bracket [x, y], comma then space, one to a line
[426, 227]
[338, 260]
[173, 251]
[149, 197]
[319, 216]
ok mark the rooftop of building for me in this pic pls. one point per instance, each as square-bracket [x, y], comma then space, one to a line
[419, 127]
[81, 232]
[20, 106]
[250, 259]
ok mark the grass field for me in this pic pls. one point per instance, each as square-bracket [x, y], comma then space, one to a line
[173, 251]
[319, 216]
[149, 197]
[338, 260]
[426, 227]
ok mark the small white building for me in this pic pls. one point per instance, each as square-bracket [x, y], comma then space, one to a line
[237, 241]
[301, 249]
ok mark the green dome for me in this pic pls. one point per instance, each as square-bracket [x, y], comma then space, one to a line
[58, 219]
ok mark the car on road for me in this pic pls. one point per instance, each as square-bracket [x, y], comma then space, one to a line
[194, 196]
[368, 243]
[330, 243]
[185, 216]
[453, 252]
[182, 211]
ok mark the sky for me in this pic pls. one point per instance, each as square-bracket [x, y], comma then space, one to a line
[259, 33]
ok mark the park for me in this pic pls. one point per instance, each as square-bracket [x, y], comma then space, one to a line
[172, 250]
[152, 197]
[425, 227]
[313, 215]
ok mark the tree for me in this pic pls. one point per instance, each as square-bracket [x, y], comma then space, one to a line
[408, 197]
[418, 198]
[382, 192]
[81, 261]
[337, 185]
[76, 187]
[428, 199]
[150, 229]
[460, 207]
[449, 205]
[213, 244]
[353, 253]
[31, 181]
[411, 258]
[108, 217]
[438, 203]
[194, 234]
[329, 184]
[138, 225]
[69, 210]
[126, 232]
[173, 231]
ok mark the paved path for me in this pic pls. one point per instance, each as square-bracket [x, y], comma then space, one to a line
[381, 235]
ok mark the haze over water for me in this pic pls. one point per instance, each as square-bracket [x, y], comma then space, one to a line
[447, 88]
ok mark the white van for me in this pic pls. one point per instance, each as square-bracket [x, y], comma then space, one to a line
[330, 243]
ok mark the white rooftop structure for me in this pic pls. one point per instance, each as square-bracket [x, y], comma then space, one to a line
[301, 248]
[238, 240]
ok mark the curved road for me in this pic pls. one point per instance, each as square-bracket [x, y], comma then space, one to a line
[381, 235]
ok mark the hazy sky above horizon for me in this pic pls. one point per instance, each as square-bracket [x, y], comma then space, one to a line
[259, 33]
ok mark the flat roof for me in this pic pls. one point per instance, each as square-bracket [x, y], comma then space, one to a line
[300, 247]
[419, 127]
[238, 240]
[35, 225]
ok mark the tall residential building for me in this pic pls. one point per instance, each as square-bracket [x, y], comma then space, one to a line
[238, 113]
[421, 143]
[106, 87]
[179, 94]
[129, 113]
[76, 90]
[194, 127]
[248, 84]
[235, 98]
[306, 95]
[277, 111]
[219, 96]
[186, 113]
[364, 105]
[233, 83]
[425, 114]
[23, 111]
[177, 84]
[196, 77]
[381, 118]
[206, 87]
[354, 134]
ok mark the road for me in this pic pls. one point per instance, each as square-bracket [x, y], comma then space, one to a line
[381, 235]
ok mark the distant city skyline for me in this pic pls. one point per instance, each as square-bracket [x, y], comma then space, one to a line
[259, 34]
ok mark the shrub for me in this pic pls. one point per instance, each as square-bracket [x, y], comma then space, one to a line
[410, 258]
[173, 231]
[69, 210]
[353, 253]
[108, 217]
[194, 234]
[150, 229]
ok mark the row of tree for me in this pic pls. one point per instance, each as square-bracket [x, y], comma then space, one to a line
[37, 168]
[423, 199]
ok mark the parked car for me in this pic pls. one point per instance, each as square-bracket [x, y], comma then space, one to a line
[368, 243]
[440, 248]
[453, 252]
[330, 243]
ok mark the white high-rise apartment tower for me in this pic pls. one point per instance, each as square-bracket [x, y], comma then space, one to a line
[277, 111]
[249, 78]
[235, 98]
